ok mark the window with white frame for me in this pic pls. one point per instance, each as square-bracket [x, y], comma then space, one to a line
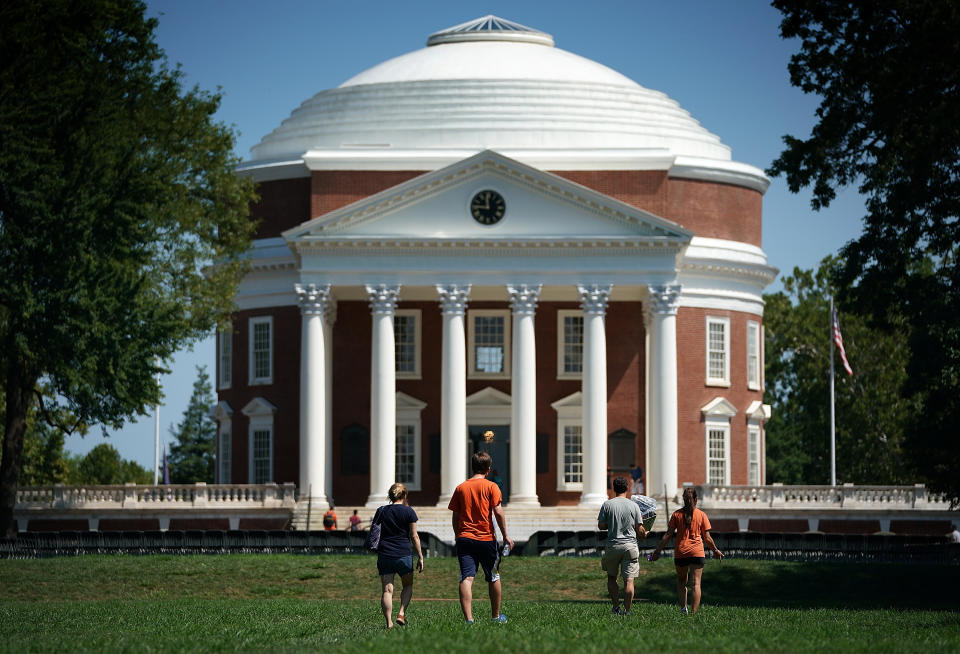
[489, 351]
[406, 333]
[225, 358]
[261, 350]
[569, 344]
[569, 442]
[261, 440]
[260, 413]
[718, 469]
[407, 453]
[753, 455]
[753, 355]
[718, 351]
[225, 453]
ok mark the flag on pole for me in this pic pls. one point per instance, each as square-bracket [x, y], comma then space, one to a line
[166, 470]
[838, 341]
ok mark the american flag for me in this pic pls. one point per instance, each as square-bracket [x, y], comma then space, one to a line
[838, 341]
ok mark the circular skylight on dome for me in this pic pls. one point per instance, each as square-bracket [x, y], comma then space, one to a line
[490, 28]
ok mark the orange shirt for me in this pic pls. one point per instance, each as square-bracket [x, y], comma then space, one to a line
[689, 540]
[474, 500]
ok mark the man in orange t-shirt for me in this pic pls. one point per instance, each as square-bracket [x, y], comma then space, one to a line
[473, 503]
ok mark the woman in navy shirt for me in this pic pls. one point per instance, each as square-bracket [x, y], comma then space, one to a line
[398, 530]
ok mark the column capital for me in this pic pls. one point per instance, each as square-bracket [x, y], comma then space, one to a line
[664, 298]
[453, 298]
[383, 298]
[313, 298]
[330, 311]
[523, 298]
[594, 298]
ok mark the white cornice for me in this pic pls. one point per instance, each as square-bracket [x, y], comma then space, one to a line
[599, 246]
[724, 172]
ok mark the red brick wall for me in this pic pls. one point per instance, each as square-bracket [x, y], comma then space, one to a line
[283, 393]
[716, 210]
[333, 189]
[283, 204]
[693, 393]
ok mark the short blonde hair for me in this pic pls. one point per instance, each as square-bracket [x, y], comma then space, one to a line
[397, 492]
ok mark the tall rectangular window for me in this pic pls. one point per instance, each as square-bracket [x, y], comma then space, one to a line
[262, 455]
[718, 351]
[261, 350]
[716, 456]
[225, 454]
[225, 358]
[569, 344]
[753, 355]
[489, 354]
[572, 454]
[406, 333]
[753, 456]
[406, 471]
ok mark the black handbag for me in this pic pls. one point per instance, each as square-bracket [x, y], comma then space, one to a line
[373, 536]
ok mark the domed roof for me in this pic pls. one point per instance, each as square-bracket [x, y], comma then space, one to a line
[490, 84]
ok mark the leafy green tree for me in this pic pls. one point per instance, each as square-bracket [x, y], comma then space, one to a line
[103, 465]
[871, 413]
[118, 190]
[44, 460]
[192, 454]
[887, 73]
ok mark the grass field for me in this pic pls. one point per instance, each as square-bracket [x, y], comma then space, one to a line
[289, 603]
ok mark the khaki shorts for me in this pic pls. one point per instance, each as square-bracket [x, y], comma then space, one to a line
[623, 558]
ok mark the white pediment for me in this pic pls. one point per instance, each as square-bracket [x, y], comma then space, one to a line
[718, 407]
[258, 406]
[489, 397]
[758, 411]
[435, 207]
[570, 406]
[221, 411]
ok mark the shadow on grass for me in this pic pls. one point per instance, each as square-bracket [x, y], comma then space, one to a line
[817, 585]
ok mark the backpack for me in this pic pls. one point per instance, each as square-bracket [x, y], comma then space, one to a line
[328, 519]
[372, 542]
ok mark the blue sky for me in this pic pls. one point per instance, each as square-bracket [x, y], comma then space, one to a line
[723, 61]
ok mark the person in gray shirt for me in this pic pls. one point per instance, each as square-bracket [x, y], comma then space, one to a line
[621, 556]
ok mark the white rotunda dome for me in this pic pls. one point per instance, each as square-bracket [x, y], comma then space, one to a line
[490, 84]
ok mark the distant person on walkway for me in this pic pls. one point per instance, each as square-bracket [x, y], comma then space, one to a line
[398, 531]
[621, 518]
[354, 521]
[475, 503]
[692, 528]
[330, 518]
[954, 535]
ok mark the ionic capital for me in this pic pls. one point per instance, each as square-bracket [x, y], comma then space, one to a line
[453, 298]
[665, 298]
[594, 298]
[313, 299]
[383, 299]
[523, 299]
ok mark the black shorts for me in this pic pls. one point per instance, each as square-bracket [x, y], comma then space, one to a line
[689, 560]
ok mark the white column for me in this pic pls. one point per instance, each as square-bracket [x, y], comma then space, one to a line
[662, 438]
[313, 448]
[329, 317]
[453, 390]
[383, 393]
[523, 412]
[593, 300]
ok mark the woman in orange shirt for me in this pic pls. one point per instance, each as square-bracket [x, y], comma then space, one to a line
[692, 528]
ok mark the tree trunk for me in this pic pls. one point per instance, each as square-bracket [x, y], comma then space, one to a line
[18, 399]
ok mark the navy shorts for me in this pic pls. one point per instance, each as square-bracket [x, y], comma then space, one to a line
[388, 565]
[478, 553]
[689, 560]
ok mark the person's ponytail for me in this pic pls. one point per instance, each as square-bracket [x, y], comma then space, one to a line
[689, 501]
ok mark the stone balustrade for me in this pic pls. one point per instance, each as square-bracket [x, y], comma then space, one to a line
[166, 497]
[846, 497]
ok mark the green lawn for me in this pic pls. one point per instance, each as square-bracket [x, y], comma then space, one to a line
[289, 603]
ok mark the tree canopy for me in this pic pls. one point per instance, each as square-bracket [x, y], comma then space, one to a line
[888, 77]
[192, 454]
[871, 415]
[118, 193]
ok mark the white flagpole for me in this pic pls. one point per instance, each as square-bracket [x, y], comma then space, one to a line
[833, 431]
[156, 439]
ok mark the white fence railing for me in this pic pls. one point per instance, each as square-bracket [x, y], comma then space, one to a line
[174, 496]
[847, 496]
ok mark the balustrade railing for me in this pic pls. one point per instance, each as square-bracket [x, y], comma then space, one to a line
[172, 496]
[847, 496]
